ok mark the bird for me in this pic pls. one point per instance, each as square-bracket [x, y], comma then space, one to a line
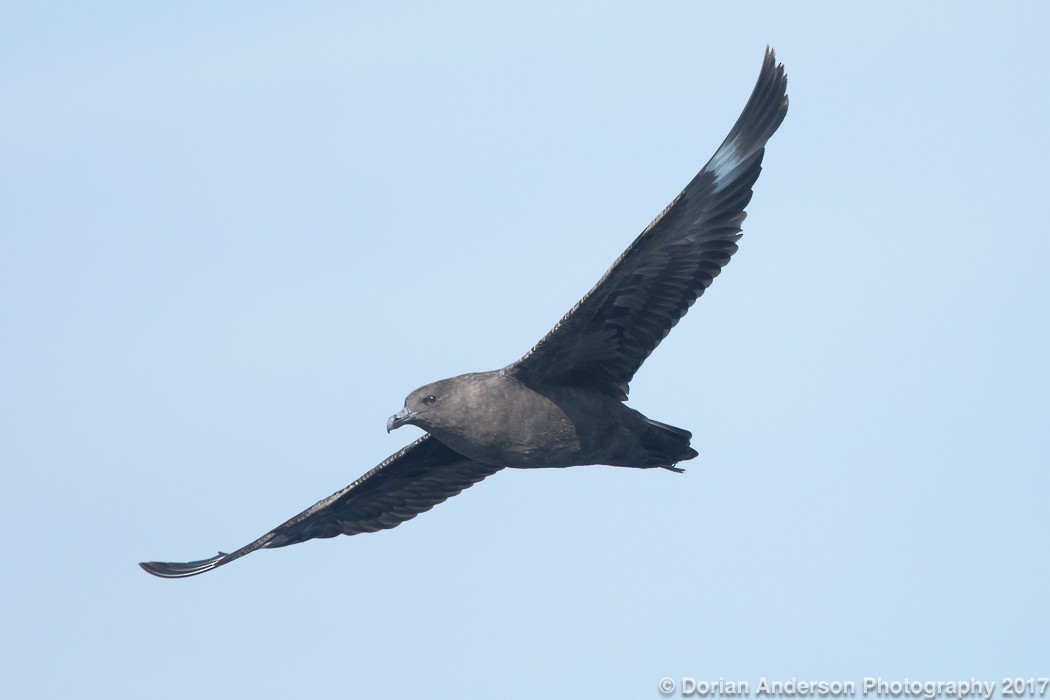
[562, 404]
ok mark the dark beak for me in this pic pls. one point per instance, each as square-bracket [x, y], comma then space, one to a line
[398, 419]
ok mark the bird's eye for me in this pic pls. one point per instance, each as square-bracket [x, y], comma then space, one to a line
[430, 400]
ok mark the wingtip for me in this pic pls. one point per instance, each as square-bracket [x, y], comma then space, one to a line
[765, 110]
[771, 59]
[164, 569]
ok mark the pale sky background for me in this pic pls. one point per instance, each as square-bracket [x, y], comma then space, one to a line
[232, 239]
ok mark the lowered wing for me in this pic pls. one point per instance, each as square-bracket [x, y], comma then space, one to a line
[404, 485]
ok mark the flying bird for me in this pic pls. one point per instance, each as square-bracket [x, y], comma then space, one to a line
[562, 404]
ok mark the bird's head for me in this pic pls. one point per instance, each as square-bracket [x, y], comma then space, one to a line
[425, 405]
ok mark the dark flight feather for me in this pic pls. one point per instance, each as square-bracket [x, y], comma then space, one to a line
[404, 485]
[604, 339]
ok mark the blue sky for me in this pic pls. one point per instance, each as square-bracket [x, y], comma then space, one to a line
[232, 239]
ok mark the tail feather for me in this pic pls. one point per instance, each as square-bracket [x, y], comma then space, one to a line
[669, 445]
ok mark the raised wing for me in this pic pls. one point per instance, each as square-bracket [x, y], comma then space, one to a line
[404, 485]
[604, 339]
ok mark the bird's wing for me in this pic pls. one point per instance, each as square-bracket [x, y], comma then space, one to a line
[404, 485]
[604, 339]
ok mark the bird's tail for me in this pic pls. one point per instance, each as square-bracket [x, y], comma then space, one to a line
[668, 445]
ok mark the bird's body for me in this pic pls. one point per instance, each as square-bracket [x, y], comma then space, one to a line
[561, 404]
[495, 418]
